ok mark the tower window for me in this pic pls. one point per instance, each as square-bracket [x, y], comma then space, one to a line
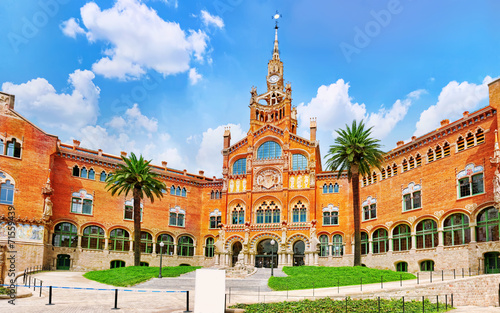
[240, 167]
[269, 150]
[299, 162]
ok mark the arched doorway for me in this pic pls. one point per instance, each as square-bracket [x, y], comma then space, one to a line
[236, 251]
[299, 247]
[265, 252]
[63, 262]
[491, 262]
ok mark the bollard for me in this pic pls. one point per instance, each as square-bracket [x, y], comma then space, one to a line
[431, 276]
[361, 284]
[403, 304]
[437, 303]
[451, 300]
[29, 281]
[442, 275]
[34, 283]
[381, 282]
[345, 304]
[40, 288]
[454, 276]
[469, 271]
[116, 300]
[418, 278]
[446, 302]
[462, 272]
[400, 280]
[423, 304]
[50, 296]
[378, 304]
[187, 303]
[478, 269]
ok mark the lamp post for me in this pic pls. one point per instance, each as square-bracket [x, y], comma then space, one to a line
[273, 242]
[161, 250]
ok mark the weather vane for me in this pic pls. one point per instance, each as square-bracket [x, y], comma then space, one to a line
[276, 16]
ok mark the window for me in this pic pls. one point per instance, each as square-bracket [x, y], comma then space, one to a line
[380, 241]
[268, 213]
[128, 212]
[76, 171]
[93, 238]
[446, 149]
[412, 197]
[102, 177]
[178, 191]
[364, 243]
[401, 238]
[389, 171]
[439, 153]
[177, 217]
[323, 250]
[168, 241]
[479, 136]
[337, 247]
[184, 192]
[172, 190]
[460, 143]
[119, 240]
[487, 225]
[430, 155]
[394, 170]
[369, 209]
[412, 163]
[299, 162]
[456, 230]
[14, 148]
[117, 264]
[374, 177]
[1, 147]
[209, 248]
[240, 167]
[470, 181]
[81, 202]
[91, 174]
[427, 266]
[330, 215]
[418, 159]
[470, 140]
[383, 173]
[215, 218]
[238, 215]
[143, 264]
[325, 188]
[65, 236]
[402, 267]
[405, 166]
[299, 213]
[427, 235]
[185, 246]
[269, 150]
[335, 188]
[83, 173]
[6, 191]
[146, 242]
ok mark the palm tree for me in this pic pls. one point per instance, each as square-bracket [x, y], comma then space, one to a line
[356, 152]
[135, 176]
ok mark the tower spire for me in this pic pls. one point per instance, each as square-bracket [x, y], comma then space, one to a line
[276, 51]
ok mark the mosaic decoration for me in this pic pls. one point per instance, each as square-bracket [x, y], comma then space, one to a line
[470, 169]
[411, 188]
[24, 232]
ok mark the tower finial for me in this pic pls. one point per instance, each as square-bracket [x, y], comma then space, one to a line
[276, 53]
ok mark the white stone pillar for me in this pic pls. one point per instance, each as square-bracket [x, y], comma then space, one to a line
[175, 249]
[79, 242]
[106, 243]
[316, 259]
[413, 241]
[370, 247]
[473, 233]
[390, 244]
[154, 248]
[440, 237]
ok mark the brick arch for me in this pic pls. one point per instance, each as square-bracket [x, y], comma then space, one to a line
[257, 238]
[64, 220]
[164, 232]
[290, 242]
[421, 218]
[403, 222]
[260, 141]
[83, 226]
[370, 234]
[130, 233]
[480, 208]
[264, 198]
[451, 212]
[235, 202]
[188, 235]
[231, 240]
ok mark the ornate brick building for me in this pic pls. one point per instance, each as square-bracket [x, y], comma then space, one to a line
[432, 205]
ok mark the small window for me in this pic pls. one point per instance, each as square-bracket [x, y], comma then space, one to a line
[184, 192]
[338, 246]
[330, 188]
[394, 170]
[439, 153]
[430, 155]
[383, 173]
[460, 143]
[427, 266]
[209, 248]
[14, 148]
[405, 166]
[177, 217]
[325, 188]
[102, 177]
[336, 188]
[214, 221]
[479, 137]
[76, 171]
[389, 172]
[402, 267]
[323, 250]
[238, 215]
[446, 149]
[91, 174]
[172, 190]
[374, 176]
[470, 140]
[365, 247]
[418, 159]
[369, 211]
[117, 264]
[411, 162]
[178, 191]
[146, 242]
[81, 202]
[83, 173]
[6, 192]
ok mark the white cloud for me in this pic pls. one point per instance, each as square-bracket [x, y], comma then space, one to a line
[209, 157]
[97, 137]
[71, 28]
[61, 112]
[140, 40]
[117, 122]
[194, 77]
[209, 19]
[454, 99]
[135, 117]
[333, 108]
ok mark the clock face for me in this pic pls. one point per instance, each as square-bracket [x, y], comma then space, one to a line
[273, 79]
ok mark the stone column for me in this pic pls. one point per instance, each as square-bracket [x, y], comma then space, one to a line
[316, 259]
[79, 242]
[154, 247]
[413, 241]
[175, 249]
[106, 243]
[131, 244]
[391, 244]
[370, 247]
[440, 237]
[217, 259]
[473, 233]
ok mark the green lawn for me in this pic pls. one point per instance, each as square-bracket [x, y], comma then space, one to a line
[327, 305]
[132, 275]
[308, 277]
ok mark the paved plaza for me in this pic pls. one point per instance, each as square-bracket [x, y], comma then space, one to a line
[146, 298]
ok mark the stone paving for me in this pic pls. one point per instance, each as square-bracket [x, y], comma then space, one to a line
[248, 290]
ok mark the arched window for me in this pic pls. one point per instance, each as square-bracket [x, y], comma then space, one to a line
[217, 195]
[268, 216]
[365, 248]
[446, 149]
[330, 215]
[383, 173]
[365, 181]
[427, 266]
[460, 143]
[470, 140]
[178, 191]
[323, 250]
[6, 191]
[1, 147]
[13, 148]
[238, 215]
[411, 162]
[389, 172]
[405, 166]
[146, 242]
[402, 267]
[337, 247]
[479, 136]
[336, 188]
[81, 202]
[240, 167]
[325, 188]
[418, 160]
[427, 235]
[380, 241]
[330, 188]
[439, 153]
[76, 171]
[83, 173]
[172, 190]
[394, 170]
[209, 247]
[212, 195]
[456, 230]
[168, 241]
[487, 225]
[184, 192]
[93, 238]
[185, 246]
[299, 162]
[299, 212]
[269, 150]
[374, 175]
[260, 216]
[119, 240]
[470, 181]
[65, 236]
[91, 174]
[103, 176]
[430, 155]
[401, 238]
[268, 213]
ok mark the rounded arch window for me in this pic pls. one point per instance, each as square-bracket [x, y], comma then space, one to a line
[185, 246]
[93, 238]
[269, 150]
[65, 235]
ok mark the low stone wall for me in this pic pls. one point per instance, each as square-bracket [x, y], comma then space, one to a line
[478, 291]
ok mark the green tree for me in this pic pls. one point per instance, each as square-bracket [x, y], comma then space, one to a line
[355, 152]
[135, 176]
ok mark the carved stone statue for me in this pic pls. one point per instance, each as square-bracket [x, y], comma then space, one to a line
[496, 186]
[314, 237]
[219, 244]
[253, 95]
[47, 209]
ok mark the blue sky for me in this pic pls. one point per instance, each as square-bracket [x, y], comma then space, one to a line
[164, 78]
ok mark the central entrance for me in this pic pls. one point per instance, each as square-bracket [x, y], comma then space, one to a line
[299, 247]
[63, 262]
[265, 253]
[491, 263]
[236, 251]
